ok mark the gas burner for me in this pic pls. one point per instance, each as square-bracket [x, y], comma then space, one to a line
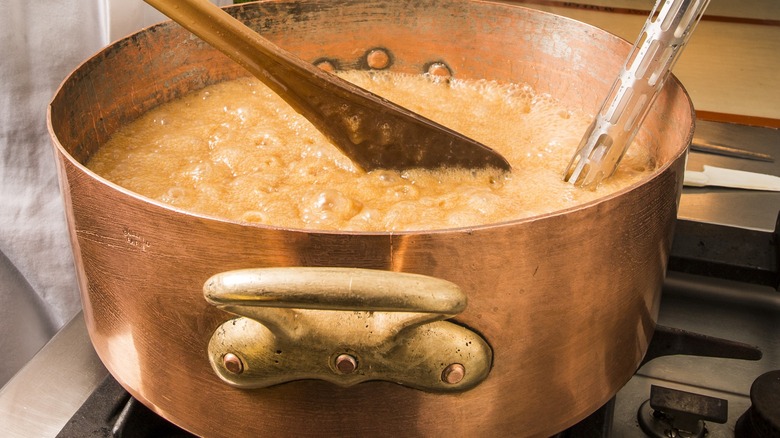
[762, 420]
[670, 413]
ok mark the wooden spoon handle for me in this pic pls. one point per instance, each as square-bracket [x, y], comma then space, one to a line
[373, 132]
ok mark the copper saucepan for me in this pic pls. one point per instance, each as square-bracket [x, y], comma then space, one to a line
[560, 307]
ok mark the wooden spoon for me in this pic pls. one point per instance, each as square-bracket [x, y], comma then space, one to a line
[373, 132]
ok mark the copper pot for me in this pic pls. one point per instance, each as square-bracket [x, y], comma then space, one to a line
[560, 310]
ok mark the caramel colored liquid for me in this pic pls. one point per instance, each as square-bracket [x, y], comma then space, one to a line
[235, 150]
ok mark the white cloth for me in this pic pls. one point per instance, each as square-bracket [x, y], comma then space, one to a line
[41, 42]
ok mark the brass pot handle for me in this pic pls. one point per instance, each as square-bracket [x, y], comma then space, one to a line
[335, 289]
[343, 325]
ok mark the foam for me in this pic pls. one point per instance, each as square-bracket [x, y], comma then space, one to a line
[235, 150]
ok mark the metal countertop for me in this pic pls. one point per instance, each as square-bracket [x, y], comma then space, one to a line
[738, 208]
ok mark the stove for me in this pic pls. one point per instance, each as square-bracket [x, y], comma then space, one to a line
[712, 368]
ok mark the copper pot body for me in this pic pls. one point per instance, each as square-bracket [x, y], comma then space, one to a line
[567, 301]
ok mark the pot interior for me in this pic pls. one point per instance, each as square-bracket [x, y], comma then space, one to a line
[573, 62]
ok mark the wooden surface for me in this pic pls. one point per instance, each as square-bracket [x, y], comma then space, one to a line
[731, 64]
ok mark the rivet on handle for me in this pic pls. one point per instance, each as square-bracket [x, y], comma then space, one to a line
[346, 363]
